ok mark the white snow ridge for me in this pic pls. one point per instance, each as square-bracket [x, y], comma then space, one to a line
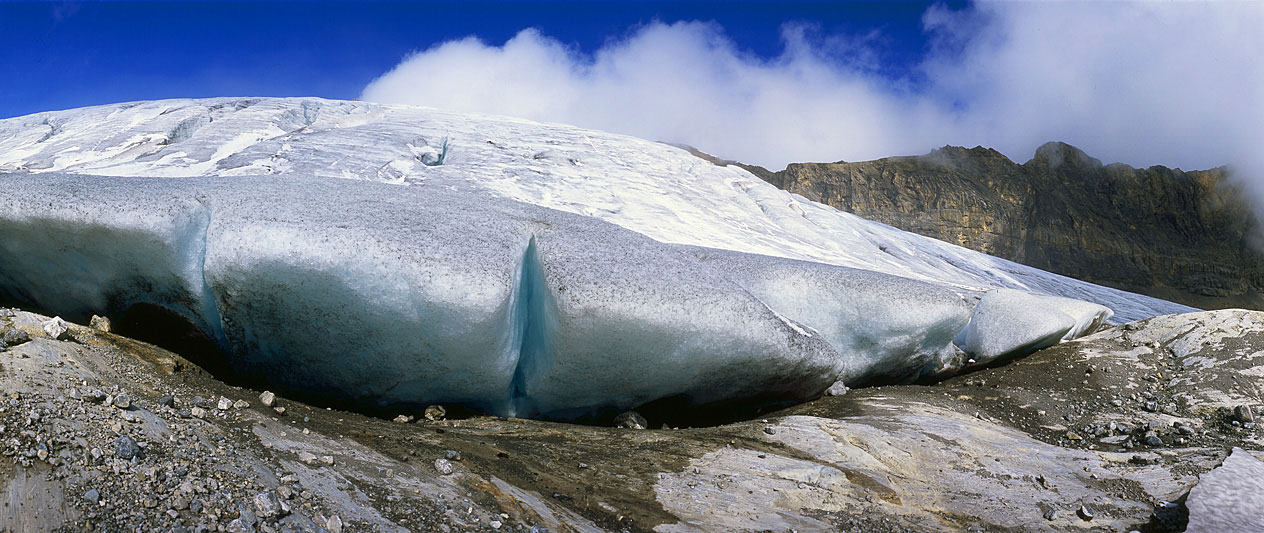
[508, 266]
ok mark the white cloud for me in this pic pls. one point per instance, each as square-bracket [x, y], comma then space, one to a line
[1179, 84]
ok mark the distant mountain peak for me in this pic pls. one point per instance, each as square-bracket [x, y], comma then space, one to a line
[1055, 154]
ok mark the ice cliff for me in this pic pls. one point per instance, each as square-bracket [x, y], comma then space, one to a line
[517, 268]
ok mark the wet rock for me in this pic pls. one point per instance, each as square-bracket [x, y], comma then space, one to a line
[631, 420]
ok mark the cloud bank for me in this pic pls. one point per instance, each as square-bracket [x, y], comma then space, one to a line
[1178, 84]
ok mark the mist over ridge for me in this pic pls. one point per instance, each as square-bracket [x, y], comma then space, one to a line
[1170, 84]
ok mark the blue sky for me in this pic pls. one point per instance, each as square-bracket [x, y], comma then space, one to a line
[61, 55]
[1172, 83]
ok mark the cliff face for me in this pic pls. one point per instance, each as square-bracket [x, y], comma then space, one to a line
[1181, 236]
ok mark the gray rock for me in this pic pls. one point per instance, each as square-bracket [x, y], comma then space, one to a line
[1151, 439]
[333, 524]
[123, 401]
[443, 466]
[1228, 498]
[126, 448]
[631, 420]
[1243, 413]
[241, 404]
[267, 399]
[1085, 513]
[92, 495]
[16, 336]
[224, 403]
[452, 455]
[770, 430]
[56, 328]
[267, 505]
[1051, 514]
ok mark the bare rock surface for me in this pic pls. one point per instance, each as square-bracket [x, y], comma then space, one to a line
[1053, 442]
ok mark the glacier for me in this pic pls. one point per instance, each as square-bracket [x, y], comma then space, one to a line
[537, 270]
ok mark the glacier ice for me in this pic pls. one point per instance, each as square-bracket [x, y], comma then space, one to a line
[542, 270]
[1007, 323]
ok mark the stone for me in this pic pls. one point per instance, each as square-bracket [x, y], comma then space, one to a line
[267, 505]
[56, 328]
[224, 404]
[443, 466]
[100, 323]
[837, 389]
[198, 412]
[126, 448]
[452, 455]
[333, 524]
[267, 398]
[770, 430]
[16, 336]
[122, 401]
[241, 404]
[1229, 497]
[1085, 513]
[1243, 413]
[167, 401]
[402, 419]
[92, 495]
[435, 413]
[630, 420]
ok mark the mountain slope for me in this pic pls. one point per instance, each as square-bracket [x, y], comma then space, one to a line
[1184, 236]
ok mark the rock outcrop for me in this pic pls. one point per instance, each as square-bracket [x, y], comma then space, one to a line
[1185, 236]
[1109, 432]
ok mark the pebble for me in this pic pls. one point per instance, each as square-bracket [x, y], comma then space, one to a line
[167, 401]
[123, 401]
[126, 448]
[630, 420]
[770, 430]
[92, 495]
[402, 419]
[443, 466]
[267, 398]
[1051, 514]
[452, 455]
[198, 412]
[241, 404]
[1152, 439]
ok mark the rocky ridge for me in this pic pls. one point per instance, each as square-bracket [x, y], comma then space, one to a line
[1109, 432]
[1185, 236]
